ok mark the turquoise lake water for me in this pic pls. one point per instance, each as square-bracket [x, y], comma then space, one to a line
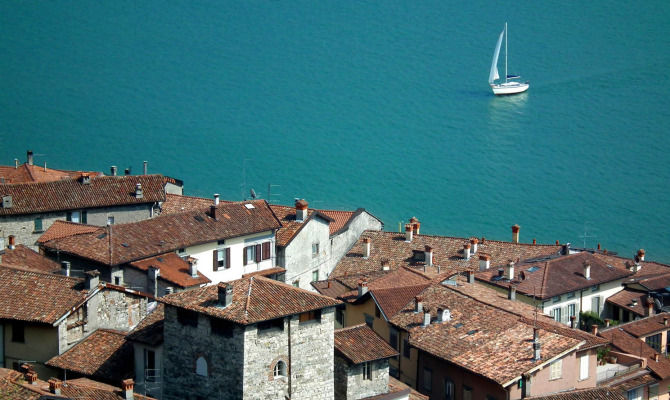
[382, 105]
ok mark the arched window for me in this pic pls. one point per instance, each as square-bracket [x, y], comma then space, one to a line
[201, 366]
[279, 369]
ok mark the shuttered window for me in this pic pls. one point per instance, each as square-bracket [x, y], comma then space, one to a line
[266, 251]
[258, 253]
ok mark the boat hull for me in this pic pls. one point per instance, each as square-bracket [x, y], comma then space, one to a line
[510, 88]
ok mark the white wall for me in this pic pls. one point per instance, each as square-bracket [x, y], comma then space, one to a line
[342, 242]
[298, 259]
[583, 300]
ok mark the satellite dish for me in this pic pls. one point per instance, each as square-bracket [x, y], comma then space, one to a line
[253, 194]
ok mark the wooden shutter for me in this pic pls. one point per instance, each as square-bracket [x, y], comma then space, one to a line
[266, 250]
[215, 266]
[244, 255]
[227, 260]
[258, 253]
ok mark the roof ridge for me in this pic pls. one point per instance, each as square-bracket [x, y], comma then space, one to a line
[246, 305]
[467, 238]
[544, 278]
[44, 274]
[348, 328]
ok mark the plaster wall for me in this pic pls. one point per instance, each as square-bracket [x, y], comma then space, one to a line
[297, 257]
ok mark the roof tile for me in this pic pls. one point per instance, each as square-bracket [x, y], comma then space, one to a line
[360, 344]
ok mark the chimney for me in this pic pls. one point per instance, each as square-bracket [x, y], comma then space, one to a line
[225, 295]
[12, 242]
[152, 280]
[471, 276]
[572, 321]
[534, 242]
[418, 304]
[429, 255]
[362, 288]
[193, 268]
[587, 270]
[509, 271]
[565, 250]
[127, 386]
[665, 321]
[650, 307]
[16, 163]
[112, 169]
[385, 265]
[216, 199]
[408, 232]
[511, 293]
[127, 171]
[416, 225]
[45, 166]
[300, 210]
[366, 246]
[55, 386]
[328, 284]
[466, 251]
[31, 376]
[144, 168]
[594, 329]
[483, 240]
[640, 254]
[426, 317]
[443, 315]
[515, 233]
[474, 244]
[92, 279]
[536, 344]
[607, 322]
[30, 157]
[598, 246]
[484, 262]
[138, 191]
[212, 212]
[557, 242]
[66, 267]
[169, 290]
[656, 357]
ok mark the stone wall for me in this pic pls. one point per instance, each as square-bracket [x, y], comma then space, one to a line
[342, 242]
[117, 310]
[357, 387]
[184, 344]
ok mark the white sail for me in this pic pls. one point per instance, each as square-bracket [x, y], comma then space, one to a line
[494, 65]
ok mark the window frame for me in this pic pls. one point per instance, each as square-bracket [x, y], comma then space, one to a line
[266, 250]
[315, 275]
[584, 367]
[556, 370]
[279, 370]
[367, 371]
[315, 249]
[449, 389]
[38, 225]
[427, 380]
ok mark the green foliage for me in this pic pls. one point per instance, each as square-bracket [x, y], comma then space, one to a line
[589, 318]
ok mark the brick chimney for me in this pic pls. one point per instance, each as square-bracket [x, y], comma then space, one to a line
[92, 279]
[515, 233]
[112, 170]
[31, 377]
[366, 247]
[534, 241]
[474, 243]
[216, 199]
[428, 253]
[12, 242]
[416, 225]
[408, 233]
[226, 294]
[484, 262]
[127, 386]
[466, 251]
[300, 210]
[418, 304]
[362, 287]
[587, 270]
[649, 311]
[55, 386]
[640, 254]
[30, 157]
[509, 271]
[138, 191]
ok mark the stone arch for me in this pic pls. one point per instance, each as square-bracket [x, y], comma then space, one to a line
[278, 368]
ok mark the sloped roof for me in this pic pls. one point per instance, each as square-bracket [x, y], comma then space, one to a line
[166, 233]
[631, 300]
[150, 329]
[26, 173]
[173, 269]
[290, 227]
[255, 299]
[647, 326]
[360, 344]
[546, 278]
[104, 354]
[37, 297]
[24, 257]
[176, 203]
[10, 389]
[485, 340]
[447, 253]
[584, 394]
[71, 194]
[624, 342]
[60, 229]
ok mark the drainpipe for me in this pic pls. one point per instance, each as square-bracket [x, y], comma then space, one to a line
[290, 366]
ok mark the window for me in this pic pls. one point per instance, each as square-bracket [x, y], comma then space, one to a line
[150, 374]
[310, 316]
[571, 295]
[367, 371]
[339, 316]
[556, 313]
[635, 394]
[296, 283]
[315, 250]
[654, 342]
[448, 389]
[556, 299]
[595, 304]
[555, 369]
[393, 371]
[201, 366]
[653, 392]
[18, 332]
[221, 258]
[187, 317]
[427, 379]
[252, 254]
[266, 251]
[315, 275]
[405, 348]
[369, 319]
[393, 338]
[467, 392]
[572, 310]
[583, 366]
[117, 280]
[110, 220]
[77, 216]
[38, 225]
[279, 369]
[595, 288]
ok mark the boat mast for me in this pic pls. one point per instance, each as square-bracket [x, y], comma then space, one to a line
[505, 52]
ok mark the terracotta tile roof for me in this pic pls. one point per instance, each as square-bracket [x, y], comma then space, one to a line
[340, 219]
[173, 269]
[360, 344]
[584, 394]
[485, 340]
[81, 390]
[624, 342]
[150, 329]
[26, 173]
[165, 233]
[290, 227]
[176, 203]
[70, 194]
[631, 300]
[396, 386]
[265, 272]
[330, 287]
[37, 297]
[60, 229]
[10, 389]
[255, 299]
[104, 354]
[636, 379]
[647, 326]
[548, 277]
[447, 254]
[24, 257]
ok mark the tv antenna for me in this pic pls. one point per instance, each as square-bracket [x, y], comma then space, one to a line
[585, 235]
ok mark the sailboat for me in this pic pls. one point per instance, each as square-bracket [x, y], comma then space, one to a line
[510, 85]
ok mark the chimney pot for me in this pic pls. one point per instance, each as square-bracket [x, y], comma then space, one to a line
[417, 228]
[484, 262]
[144, 169]
[474, 244]
[466, 251]
[515, 233]
[408, 233]
[216, 199]
[640, 254]
[362, 287]
[598, 246]
[55, 386]
[418, 304]
[112, 170]
[30, 157]
[12, 242]
[557, 243]
[366, 245]
[301, 208]
[534, 241]
[127, 386]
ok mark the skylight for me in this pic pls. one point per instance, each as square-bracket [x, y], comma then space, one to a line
[249, 206]
[533, 268]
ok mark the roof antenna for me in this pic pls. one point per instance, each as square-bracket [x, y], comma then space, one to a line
[585, 235]
[253, 194]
